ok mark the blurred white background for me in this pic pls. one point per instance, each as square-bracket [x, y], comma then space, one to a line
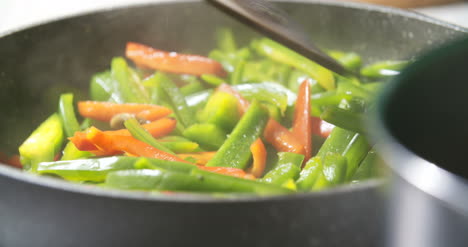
[19, 13]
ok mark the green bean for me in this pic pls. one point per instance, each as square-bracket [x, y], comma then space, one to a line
[344, 118]
[67, 114]
[209, 136]
[82, 170]
[333, 171]
[288, 167]
[383, 69]
[235, 151]
[353, 146]
[141, 134]
[221, 110]
[309, 174]
[349, 60]
[127, 82]
[279, 53]
[212, 79]
[225, 40]
[70, 152]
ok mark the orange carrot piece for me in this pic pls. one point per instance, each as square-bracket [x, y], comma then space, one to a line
[302, 126]
[127, 144]
[242, 103]
[281, 138]
[148, 57]
[235, 172]
[201, 157]
[259, 155]
[157, 129]
[104, 111]
[320, 127]
[81, 142]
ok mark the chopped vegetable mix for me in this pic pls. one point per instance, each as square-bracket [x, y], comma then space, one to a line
[258, 118]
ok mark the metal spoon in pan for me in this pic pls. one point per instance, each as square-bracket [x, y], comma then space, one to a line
[276, 24]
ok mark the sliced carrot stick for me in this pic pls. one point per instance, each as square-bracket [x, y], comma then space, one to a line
[259, 154]
[320, 127]
[104, 111]
[158, 128]
[242, 103]
[201, 157]
[235, 172]
[127, 144]
[173, 62]
[302, 126]
[81, 142]
[281, 138]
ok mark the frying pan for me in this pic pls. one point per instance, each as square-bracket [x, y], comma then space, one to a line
[39, 62]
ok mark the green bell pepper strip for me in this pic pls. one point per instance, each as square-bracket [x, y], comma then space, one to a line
[288, 167]
[225, 59]
[127, 82]
[354, 105]
[349, 60]
[345, 119]
[43, 143]
[236, 75]
[235, 152]
[179, 144]
[174, 166]
[82, 170]
[353, 146]
[182, 147]
[383, 69]
[212, 79]
[274, 111]
[198, 100]
[225, 40]
[153, 83]
[265, 70]
[102, 88]
[297, 77]
[279, 53]
[371, 166]
[355, 91]
[67, 114]
[221, 110]
[192, 88]
[328, 98]
[196, 181]
[309, 174]
[272, 93]
[333, 171]
[70, 152]
[224, 183]
[209, 136]
[229, 60]
[141, 134]
[184, 114]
